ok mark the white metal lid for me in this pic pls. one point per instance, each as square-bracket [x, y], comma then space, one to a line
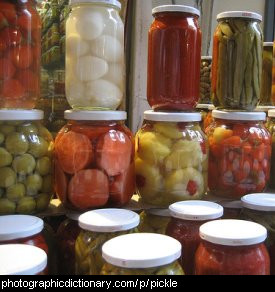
[271, 113]
[196, 210]
[259, 202]
[206, 58]
[172, 117]
[21, 115]
[211, 107]
[159, 212]
[202, 106]
[264, 108]
[240, 14]
[176, 8]
[22, 259]
[108, 220]
[73, 215]
[95, 115]
[239, 116]
[233, 232]
[268, 44]
[19, 226]
[141, 250]
[114, 3]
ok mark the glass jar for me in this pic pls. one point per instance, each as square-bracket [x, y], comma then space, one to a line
[271, 128]
[171, 158]
[67, 234]
[205, 80]
[98, 227]
[273, 76]
[206, 113]
[232, 209]
[174, 57]
[25, 162]
[154, 221]
[209, 118]
[232, 247]
[240, 154]
[20, 53]
[94, 163]
[20, 259]
[237, 55]
[136, 254]
[260, 208]
[187, 217]
[95, 65]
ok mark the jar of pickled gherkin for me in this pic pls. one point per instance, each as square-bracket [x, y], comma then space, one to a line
[99, 226]
[271, 128]
[205, 80]
[142, 254]
[260, 208]
[95, 66]
[154, 221]
[240, 154]
[237, 60]
[25, 162]
[187, 217]
[171, 158]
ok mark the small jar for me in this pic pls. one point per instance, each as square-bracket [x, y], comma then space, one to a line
[94, 164]
[237, 60]
[20, 53]
[99, 226]
[232, 247]
[26, 148]
[20, 259]
[232, 209]
[174, 57]
[271, 128]
[187, 217]
[171, 158]
[205, 80]
[154, 221]
[142, 254]
[95, 65]
[240, 154]
[260, 208]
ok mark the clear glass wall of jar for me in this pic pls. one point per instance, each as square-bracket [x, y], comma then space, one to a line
[273, 76]
[205, 80]
[271, 128]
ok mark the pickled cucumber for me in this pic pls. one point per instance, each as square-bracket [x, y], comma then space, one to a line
[17, 143]
[5, 157]
[24, 164]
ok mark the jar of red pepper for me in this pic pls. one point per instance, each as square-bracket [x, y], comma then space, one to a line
[174, 58]
[240, 153]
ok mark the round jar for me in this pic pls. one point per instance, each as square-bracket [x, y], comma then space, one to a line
[232, 247]
[99, 226]
[174, 56]
[187, 217]
[205, 80]
[240, 154]
[271, 128]
[260, 208]
[237, 60]
[94, 160]
[136, 254]
[25, 162]
[171, 158]
[95, 65]
[20, 53]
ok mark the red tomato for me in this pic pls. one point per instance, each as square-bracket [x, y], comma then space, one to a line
[28, 79]
[240, 130]
[192, 187]
[13, 89]
[216, 150]
[8, 10]
[22, 57]
[7, 69]
[11, 36]
[3, 21]
[92, 132]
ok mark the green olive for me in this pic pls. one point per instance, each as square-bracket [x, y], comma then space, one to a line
[6, 129]
[7, 177]
[44, 133]
[5, 157]
[2, 138]
[7, 207]
[26, 205]
[27, 129]
[42, 202]
[43, 165]
[34, 184]
[17, 143]
[24, 164]
[38, 147]
[16, 192]
[47, 186]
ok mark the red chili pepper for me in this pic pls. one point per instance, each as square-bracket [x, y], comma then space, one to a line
[192, 187]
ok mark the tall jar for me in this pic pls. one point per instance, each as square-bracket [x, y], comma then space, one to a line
[26, 149]
[97, 227]
[94, 160]
[271, 128]
[237, 60]
[20, 53]
[205, 80]
[95, 65]
[240, 154]
[174, 58]
[171, 158]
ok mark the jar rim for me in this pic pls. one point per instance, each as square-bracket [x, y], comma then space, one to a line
[159, 212]
[114, 3]
[95, 115]
[240, 14]
[21, 115]
[207, 58]
[259, 202]
[203, 106]
[176, 8]
[271, 113]
[172, 117]
[268, 44]
[239, 116]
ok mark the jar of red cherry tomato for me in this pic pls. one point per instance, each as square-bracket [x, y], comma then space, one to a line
[232, 247]
[94, 165]
[174, 58]
[187, 217]
[20, 50]
[240, 153]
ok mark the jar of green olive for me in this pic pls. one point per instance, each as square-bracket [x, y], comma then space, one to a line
[25, 162]
[97, 227]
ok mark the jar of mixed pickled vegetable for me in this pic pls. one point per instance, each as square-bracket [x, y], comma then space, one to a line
[187, 217]
[260, 208]
[99, 226]
[171, 158]
[25, 162]
[240, 154]
[174, 58]
[237, 60]
[271, 128]
[20, 46]
[232, 209]
[94, 164]
[232, 247]
[95, 66]
[154, 221]
[205, 80]
[136, 254]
